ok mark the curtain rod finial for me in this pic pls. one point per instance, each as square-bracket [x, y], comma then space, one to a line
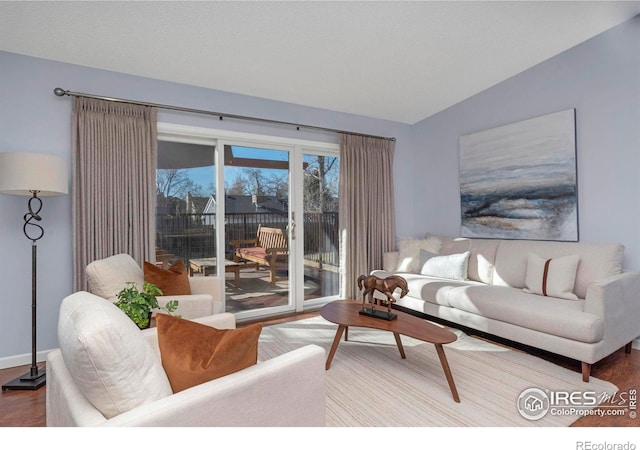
[59, 92]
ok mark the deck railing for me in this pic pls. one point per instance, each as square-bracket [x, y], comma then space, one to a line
[190, 236]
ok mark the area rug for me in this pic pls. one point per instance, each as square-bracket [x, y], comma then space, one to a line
[369, 385]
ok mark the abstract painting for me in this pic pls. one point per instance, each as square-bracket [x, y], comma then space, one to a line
[518, 181]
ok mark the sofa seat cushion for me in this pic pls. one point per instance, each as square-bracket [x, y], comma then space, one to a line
[435, 290]
[109, 359]
[430, 289]
[559, 317]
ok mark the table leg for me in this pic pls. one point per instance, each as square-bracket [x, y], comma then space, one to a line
[346, 333]
[399, 343]
[334, 346]
[447, 372]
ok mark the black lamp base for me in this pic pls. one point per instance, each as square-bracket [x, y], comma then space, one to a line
[27, 382]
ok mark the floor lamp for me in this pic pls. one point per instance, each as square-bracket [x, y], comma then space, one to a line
[35, 175]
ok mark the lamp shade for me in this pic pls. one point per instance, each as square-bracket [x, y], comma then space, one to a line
[24, 172]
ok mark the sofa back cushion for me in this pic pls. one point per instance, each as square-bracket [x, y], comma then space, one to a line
[597, 261]
[482, 255]
[106, 277]
[108, 357]
[409, 253]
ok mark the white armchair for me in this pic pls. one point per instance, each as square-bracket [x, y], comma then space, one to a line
[106, 277]
[109, 373]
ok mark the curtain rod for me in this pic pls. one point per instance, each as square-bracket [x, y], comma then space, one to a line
[61, 93]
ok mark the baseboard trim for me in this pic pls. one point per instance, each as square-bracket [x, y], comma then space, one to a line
[636, 343]
[22, 360]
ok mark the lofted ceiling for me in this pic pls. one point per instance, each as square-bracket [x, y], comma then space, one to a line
[400, 61]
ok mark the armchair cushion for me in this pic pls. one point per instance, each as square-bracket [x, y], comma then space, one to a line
[106, 277]
[171, 281]
[107, 356]
[193, 353]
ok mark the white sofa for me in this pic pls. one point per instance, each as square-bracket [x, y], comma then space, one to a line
[106, 277]
[108, 373]
[602, 317]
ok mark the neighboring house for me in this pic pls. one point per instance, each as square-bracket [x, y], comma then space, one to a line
[246, 204]
[195, 205]
[247, 209]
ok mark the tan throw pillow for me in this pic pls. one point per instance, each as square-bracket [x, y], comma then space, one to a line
[554, 277]
[171, 281]
[193, 353]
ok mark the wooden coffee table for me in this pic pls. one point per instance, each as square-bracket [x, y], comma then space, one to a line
[345, 313]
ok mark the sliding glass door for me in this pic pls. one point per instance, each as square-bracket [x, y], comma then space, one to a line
[260, 213]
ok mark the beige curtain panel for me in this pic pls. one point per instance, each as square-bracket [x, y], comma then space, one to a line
[367, 213]
[114, 169]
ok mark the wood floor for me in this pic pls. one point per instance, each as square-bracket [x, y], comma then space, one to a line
[27, 408]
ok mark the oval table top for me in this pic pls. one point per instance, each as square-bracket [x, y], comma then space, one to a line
[347, 313]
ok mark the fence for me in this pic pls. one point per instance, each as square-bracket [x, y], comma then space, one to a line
[192, 236]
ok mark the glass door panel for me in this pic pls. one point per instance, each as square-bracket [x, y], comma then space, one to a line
[257, 250]
[321, 243]
[185, 206]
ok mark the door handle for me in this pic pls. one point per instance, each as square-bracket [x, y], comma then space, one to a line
[292, 227]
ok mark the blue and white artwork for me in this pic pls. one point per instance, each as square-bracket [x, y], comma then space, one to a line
[518, 181]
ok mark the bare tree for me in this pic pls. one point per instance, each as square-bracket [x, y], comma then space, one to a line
[255, 181]
[237, 187]
[320, 184]
[278, 184]
[175, 183]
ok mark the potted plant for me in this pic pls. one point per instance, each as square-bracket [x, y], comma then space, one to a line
[139, 305]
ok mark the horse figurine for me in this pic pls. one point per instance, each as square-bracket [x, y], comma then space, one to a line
[386, 286]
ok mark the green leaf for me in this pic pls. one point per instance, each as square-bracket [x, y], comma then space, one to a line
[137, 305]
[171, 306]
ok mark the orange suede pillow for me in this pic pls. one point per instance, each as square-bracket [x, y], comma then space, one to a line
[193, 353]
[171, 281]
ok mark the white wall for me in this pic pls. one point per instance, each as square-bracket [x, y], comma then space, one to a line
[600, 79]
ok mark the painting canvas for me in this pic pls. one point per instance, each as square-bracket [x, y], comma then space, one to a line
[518, 181]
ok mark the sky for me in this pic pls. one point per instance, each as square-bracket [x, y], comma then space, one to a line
[205, 176]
